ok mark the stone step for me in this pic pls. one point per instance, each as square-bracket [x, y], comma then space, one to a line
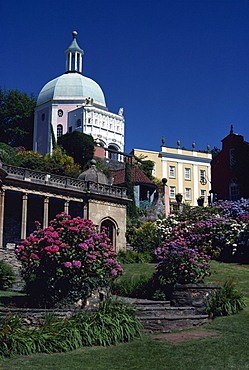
[167, 324]
[142, 302]
[164, 311]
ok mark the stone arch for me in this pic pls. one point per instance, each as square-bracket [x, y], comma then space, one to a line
[111, 229]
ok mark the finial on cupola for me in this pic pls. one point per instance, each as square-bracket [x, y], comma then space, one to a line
[231, 130]
[163, 140]
[178, 143]
[74, 33]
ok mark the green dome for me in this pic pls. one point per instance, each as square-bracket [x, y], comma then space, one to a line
[71, 86]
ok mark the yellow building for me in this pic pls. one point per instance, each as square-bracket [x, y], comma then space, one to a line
[188, 172]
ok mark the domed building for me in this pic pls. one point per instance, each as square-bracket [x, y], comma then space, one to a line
[74, 102]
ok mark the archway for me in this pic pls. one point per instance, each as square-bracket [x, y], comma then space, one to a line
[110, 229]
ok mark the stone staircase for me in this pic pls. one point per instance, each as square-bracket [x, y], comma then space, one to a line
[160, 316]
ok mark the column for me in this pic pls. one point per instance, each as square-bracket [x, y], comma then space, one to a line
[24, 216]
[2, 198]
[45, 212]
[66, 206]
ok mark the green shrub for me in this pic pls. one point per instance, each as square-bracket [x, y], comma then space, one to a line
[133, 257]
[7, 276]
[143, 287]
[113, 323]
[226, 301]
[145, 238]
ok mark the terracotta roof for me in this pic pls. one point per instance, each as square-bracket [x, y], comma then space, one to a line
[137, 176]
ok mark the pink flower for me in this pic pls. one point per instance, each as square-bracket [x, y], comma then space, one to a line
[77, 264]
[114, 272]
[67, 264]
[33, 255]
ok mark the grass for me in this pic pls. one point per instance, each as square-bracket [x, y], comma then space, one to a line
[229, 351]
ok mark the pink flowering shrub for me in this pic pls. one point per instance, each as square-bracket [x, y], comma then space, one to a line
[66, 261]
[180, 264]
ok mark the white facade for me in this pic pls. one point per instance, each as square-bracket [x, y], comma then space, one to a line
[75, 102]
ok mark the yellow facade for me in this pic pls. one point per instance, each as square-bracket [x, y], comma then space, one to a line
[188, 172]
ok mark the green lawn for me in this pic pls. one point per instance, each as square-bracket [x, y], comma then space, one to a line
[229, 351]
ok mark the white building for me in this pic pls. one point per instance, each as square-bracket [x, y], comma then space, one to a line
[75, 102]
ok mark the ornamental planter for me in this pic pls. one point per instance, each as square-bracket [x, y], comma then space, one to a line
[192, 295]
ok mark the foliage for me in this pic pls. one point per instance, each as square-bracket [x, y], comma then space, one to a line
[131, 206]
[7, 275]
[78, 145]
[145, 238]
[113, 323]
[16, 118]
[67, 260]
[180, 264]
[57, 163]
[133, 257]
[6, 152]
[62, 164]
[226, 301]
[135, 288]
[102, 166]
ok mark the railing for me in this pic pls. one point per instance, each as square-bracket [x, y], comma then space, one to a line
[69, 183]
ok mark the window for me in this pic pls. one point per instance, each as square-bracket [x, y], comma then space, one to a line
[203, 194]
[171, 171]
[172, 192]
[78, 123]
[59, 130]
[43, 116]
[188, 194]
[187, 173]
[203, 176]
[232, 158]
[234, 190]
[113, 152]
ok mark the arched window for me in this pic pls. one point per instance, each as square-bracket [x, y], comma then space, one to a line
[59, 130]
[113, 153]
[78, 123]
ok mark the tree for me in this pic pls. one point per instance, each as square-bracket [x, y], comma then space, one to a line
[131, 206]
[78, 145]
[16, 118]
[145, 165]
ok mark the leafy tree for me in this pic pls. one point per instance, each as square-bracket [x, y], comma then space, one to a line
[16, 118]
[145, 165]
[131, 207]
[62, 164]
[78, 145]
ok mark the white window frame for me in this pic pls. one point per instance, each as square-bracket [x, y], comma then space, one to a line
[203, 194]
[202, 175]
[172, 192]
[172, 171]
[188, 194]
[187, 173]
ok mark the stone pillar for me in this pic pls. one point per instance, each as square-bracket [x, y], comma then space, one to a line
[45, 212]
[66, 206]
[2, 198]
[166, 200]
[24, 216]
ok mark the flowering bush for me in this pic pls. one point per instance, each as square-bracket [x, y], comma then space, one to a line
[216, 236]
[66, 261]
[181, 264]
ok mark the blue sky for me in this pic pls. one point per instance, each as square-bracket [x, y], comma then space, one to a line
[179, 68]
